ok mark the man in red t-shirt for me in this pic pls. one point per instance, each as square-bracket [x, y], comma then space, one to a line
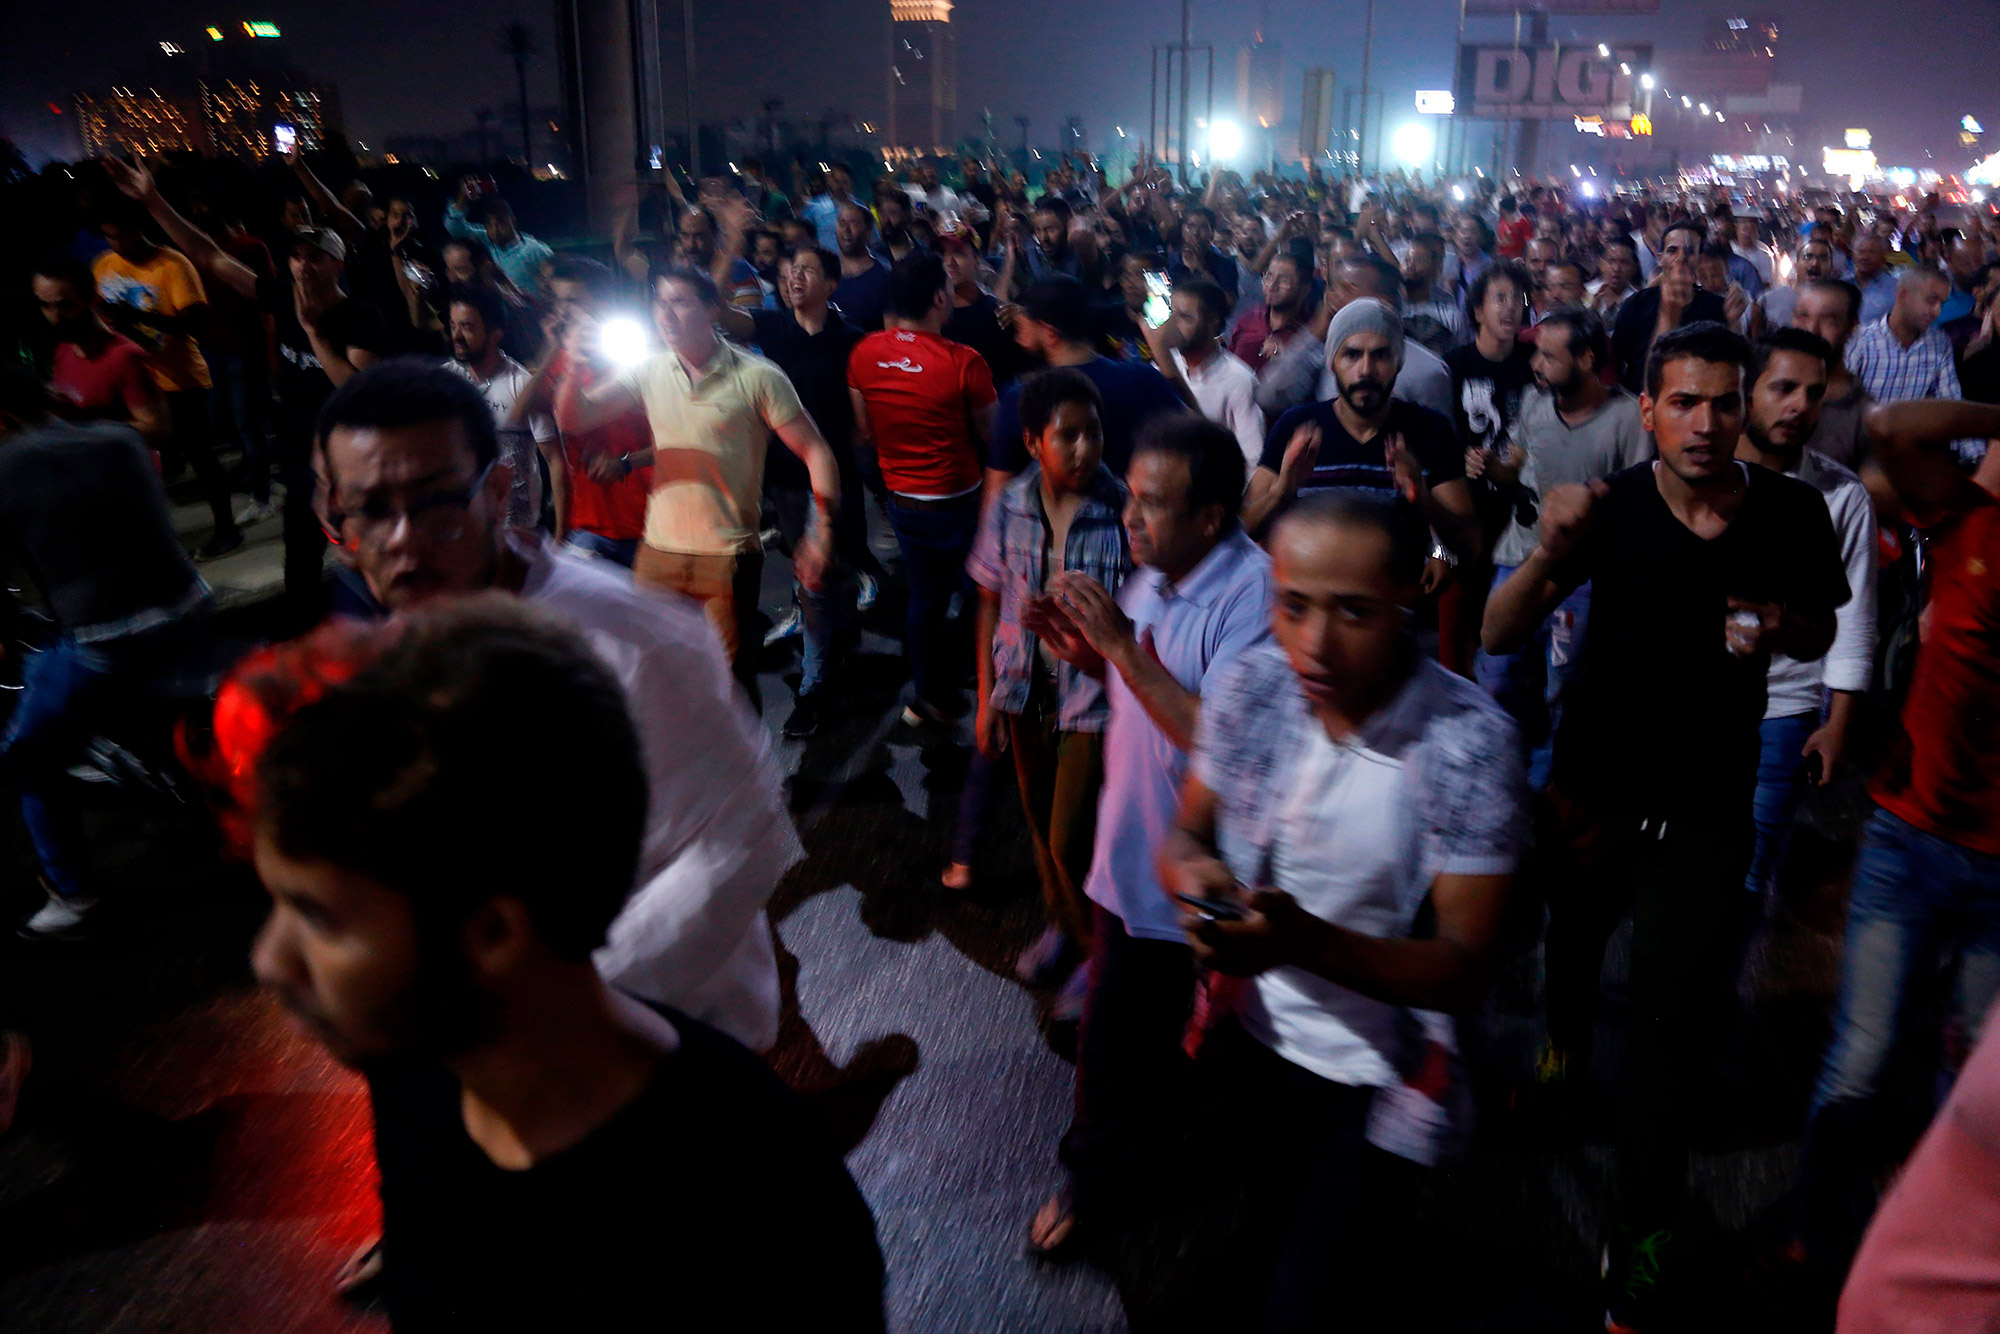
[98, 373]
[923, 406]
[1513, 231]
[1928, 871]
[603, 512]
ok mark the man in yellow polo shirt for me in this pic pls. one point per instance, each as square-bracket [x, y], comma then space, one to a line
[712, 408]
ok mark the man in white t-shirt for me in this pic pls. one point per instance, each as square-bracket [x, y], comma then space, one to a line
[528, 446]
[1342, 786]
[1188, 348]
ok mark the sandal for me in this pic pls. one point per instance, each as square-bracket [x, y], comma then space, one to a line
[1055, 1234]
[957, 876]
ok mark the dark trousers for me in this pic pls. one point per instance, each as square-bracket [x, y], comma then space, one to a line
[1682, 883]
[935, 538]
[305, 540]
[1060, 774]
[1132, 1086]
[239, 398]
[191, 437]
[1328, 1218]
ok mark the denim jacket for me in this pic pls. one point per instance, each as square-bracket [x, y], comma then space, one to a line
[1008, 559]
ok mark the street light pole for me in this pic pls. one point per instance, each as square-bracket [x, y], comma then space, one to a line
[1367, 65]
[1187, 71]
[687, 53]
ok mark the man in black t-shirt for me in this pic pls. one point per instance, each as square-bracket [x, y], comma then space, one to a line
[553, 1153]
[1701, 568]
[1489, 374]
[975, 312]
[324, 338]
[810, 343]
[1365, 440]
[1669, 303]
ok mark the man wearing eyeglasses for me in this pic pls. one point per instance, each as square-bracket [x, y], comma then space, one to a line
[417, 500]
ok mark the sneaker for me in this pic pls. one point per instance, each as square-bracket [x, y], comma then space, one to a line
[957, 877]
[867, 589]
[805, 717]
[1049, 961]
[220, 545]
[791, 627]
[256, 512]
[62, 915]
[920, 712]
[1632, 1273]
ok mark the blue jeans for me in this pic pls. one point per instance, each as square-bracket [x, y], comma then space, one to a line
[1780, 788]
[935, 540]
[617, 550]
[1528, 682]
[69, 691]
[1913, 892]
[238, 391]
[825, 617]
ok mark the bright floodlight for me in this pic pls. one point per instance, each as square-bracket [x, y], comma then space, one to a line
[1603, 50]
[1458, 193]
[1589, 190]
[624, 341]
[1413, 143]
[1225, 140]
[1646, 82]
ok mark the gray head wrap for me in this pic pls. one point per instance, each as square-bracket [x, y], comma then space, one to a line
[1365, 314]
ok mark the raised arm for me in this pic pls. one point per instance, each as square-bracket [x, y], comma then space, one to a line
[1911, 443]
[135, 181]
[1540, 583]
[350, 227]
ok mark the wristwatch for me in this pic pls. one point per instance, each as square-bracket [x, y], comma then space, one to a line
[1439, 551]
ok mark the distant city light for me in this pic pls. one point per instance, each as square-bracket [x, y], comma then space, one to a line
[1623, 68]
[172, 49]
[1603, 51]
[1646, 82]
[1971, 126]
[1704, 108]
[1689, 101]
[1589, 190]
[215, 34]
[1413, 143]
[259, 29]
[1435, 102]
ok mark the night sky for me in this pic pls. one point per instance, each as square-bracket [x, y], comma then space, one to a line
[1907, 71]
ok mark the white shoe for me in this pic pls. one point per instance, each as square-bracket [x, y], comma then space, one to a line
[257, 511]
[869, 589]
[59, 916]
[793, 624]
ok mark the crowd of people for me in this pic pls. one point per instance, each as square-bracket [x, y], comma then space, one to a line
[1348, 571]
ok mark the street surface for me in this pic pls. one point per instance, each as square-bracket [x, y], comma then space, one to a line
[186, 1160]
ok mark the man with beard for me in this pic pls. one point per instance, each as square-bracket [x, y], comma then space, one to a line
[529, 446]
[975, 312]
[524, 1109]
[892, 216]
[1831, 309]
[704, 247]
[1571, 430]
[1617, 277]
[1266, 329]
[863, 288]
[1051, 251]
[1787, 378]
[1702, 568]
[1197, 252]
[1364, 439]
[1666, 305]
[1429, 314]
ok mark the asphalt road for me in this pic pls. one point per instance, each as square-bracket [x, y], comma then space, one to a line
[185, 1160]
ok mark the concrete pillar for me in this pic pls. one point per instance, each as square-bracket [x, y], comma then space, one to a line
[600, 92]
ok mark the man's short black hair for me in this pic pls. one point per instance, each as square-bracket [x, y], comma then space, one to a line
[412, 391]
[1062, 303]
[702, 285]
[1565, 262]
[1213, 456]
[68, 269]
[1046, 391]
[1803, 341]
[1625, 243]
[1845, 289]
[828, 257]
[1498, 271]
[914, 284]
[1584, 330]
[492, 310]
[1685, 225]
[1713, 250]
[1055, 204]
[472, 246]
[1429, 241]
[396, 773]
[1391, 515]
[1200, 211]
[595, 278]
[1213, 301]
[1704, 340]
[1376, 276]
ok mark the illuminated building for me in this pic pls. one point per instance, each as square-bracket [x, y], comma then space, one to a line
[1260, 87]
[221, 97]
[923, 75]
[127, 120]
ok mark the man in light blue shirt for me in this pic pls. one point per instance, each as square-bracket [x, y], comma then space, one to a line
[1201, 596]
[823, 210]
[521, 257]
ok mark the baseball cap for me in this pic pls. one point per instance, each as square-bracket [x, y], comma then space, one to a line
[322, 238]
[952, 231]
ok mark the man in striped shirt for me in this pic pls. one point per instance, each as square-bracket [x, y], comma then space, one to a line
[1902, 355]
